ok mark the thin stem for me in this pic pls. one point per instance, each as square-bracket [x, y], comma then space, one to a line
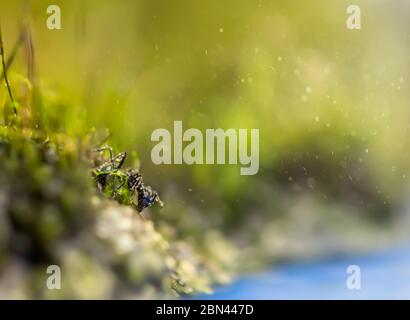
[13, 53]
[3, 62]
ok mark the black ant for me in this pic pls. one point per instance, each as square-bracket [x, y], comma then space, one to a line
[125, 184]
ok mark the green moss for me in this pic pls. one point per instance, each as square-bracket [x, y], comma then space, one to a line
[53, 213]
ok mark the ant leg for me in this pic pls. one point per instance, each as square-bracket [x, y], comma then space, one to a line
[106, 148]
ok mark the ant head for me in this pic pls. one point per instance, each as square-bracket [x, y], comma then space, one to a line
[151, 197]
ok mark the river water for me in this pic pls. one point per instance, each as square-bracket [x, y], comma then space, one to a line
[384, 275]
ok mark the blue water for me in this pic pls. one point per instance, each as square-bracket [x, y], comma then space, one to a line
[384, 275]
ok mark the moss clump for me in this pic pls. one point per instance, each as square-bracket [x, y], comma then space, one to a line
[52, 214]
